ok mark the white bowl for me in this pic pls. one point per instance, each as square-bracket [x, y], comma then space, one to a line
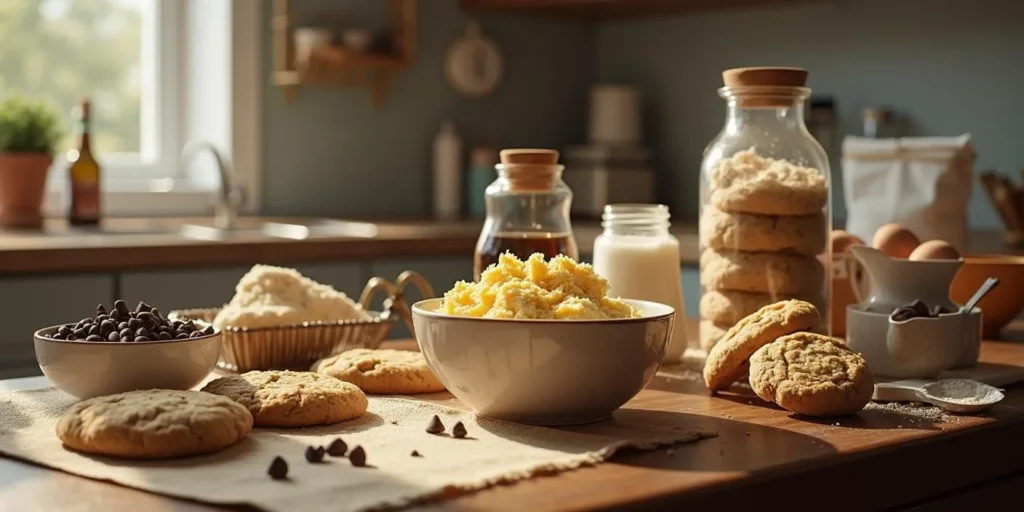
[544, 372]
[86, 369]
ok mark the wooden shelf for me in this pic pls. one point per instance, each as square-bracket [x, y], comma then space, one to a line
[612, 9]
[340, 66]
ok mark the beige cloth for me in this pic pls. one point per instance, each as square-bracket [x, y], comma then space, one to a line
[495, 452]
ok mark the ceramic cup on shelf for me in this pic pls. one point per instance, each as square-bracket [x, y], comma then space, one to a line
[307, 39]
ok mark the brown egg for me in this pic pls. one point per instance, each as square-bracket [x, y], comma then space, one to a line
[935, 250]
[841, 241]
[895, 240]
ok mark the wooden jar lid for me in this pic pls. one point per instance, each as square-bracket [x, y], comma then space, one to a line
[766, 86]
[530, 170]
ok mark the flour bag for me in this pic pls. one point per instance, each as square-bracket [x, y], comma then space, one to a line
[922, 183]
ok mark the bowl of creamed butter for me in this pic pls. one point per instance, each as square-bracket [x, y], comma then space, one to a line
[540, 342]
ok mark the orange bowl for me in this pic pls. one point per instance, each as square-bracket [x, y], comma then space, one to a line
[1003, 303]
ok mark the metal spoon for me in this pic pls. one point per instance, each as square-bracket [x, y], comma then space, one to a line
[979, 396]
[986, 287]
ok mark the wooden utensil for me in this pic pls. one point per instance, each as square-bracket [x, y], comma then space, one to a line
[1001, 194]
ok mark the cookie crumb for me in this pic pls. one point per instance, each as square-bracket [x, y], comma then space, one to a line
[415, 454]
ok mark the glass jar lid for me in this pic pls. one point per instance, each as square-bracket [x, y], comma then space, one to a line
[764, 86]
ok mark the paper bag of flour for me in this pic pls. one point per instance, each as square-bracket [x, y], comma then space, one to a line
[922, 183]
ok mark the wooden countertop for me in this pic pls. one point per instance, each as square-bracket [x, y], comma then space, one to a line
[875, 460]
[152, 244]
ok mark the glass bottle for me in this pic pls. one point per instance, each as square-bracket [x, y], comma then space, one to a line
[83, 201]
[640, 260]
[765, 203]
[527, 210]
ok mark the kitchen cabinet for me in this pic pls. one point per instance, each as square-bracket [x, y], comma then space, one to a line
[441, 273]
[611, 9]
[31, 303]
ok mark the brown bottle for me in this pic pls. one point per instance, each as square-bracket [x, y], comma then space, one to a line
[527, 210]
[83, 201]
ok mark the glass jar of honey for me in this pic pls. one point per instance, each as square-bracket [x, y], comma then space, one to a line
[527, 210]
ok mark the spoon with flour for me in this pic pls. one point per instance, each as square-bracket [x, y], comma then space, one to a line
[962, 396]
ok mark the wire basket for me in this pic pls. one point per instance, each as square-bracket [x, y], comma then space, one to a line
[297, 347]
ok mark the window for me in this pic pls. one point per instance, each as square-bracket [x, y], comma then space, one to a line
[139, 61]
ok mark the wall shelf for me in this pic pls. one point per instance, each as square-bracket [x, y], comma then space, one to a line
[339, 66]
[611, 9]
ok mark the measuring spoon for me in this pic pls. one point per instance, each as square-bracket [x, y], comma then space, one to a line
[963, 396]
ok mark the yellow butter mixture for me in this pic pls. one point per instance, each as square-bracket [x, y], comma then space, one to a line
[559, 288]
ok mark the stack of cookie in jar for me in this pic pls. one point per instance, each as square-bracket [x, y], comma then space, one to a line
[764, 231]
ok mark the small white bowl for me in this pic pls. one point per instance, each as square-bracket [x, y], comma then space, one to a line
[86, 369]
[544, 372]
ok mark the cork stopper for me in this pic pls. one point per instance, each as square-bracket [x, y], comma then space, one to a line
[530, 170]
[529, 156]
[766, 86]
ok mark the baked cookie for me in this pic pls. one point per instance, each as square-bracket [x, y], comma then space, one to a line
[749, 183]
[811, 374]
[726, 359]
[805, 235]
[761, 272]
[292, 399]
[154, 424]
[384, 372]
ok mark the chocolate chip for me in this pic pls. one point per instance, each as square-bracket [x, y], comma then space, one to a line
[113, 336]
[64, 330]
[920, 307]
[903, 314]
[415, 454]
[94, 330]
[143, 307]
[121, 307]
[93, 337]
[55, 336]
[337, 448]
[315, 454]
[107, 326]
[101, 310]
[114, 315]
[435, 426]
[134, 323]
[459, 430]
[142, 338]
[209, 330]
[80, 334]
[181, 336]
[357, 457]
[195, 334]
[166, 336]
[278, 469]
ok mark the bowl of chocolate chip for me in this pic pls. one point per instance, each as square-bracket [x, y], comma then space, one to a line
[122, 349]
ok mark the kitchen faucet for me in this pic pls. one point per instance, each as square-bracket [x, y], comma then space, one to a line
[229, 197]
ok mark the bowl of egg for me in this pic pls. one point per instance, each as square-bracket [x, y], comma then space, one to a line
[539, 342]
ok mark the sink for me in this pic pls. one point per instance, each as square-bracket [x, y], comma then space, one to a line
[279, 227]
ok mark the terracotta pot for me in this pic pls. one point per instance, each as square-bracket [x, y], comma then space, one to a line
[22, 185]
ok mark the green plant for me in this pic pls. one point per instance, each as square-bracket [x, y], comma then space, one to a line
[28, 126]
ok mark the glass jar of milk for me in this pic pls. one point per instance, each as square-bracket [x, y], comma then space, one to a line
[640, 260]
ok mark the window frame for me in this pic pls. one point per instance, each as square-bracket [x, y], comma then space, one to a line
[133, 187]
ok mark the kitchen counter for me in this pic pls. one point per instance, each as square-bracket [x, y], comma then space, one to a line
[879, 459]
[150, 244]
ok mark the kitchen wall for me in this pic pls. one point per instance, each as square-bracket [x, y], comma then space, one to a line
[953, 66]
[331, 153]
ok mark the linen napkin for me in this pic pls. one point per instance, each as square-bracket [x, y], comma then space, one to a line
[494, 452]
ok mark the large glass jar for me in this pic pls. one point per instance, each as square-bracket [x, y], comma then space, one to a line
[765, 203]
[527, 210]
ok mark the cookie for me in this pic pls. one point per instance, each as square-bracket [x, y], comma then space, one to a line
[811, 374]
[749, 183]
[385, 372]
[805, 235]
[154, 424]
[726, 359]
[292, 399]
[761, 272]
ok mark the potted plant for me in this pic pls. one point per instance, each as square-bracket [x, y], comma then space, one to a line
[29, 132]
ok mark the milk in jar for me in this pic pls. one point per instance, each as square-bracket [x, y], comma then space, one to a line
[640, 260]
